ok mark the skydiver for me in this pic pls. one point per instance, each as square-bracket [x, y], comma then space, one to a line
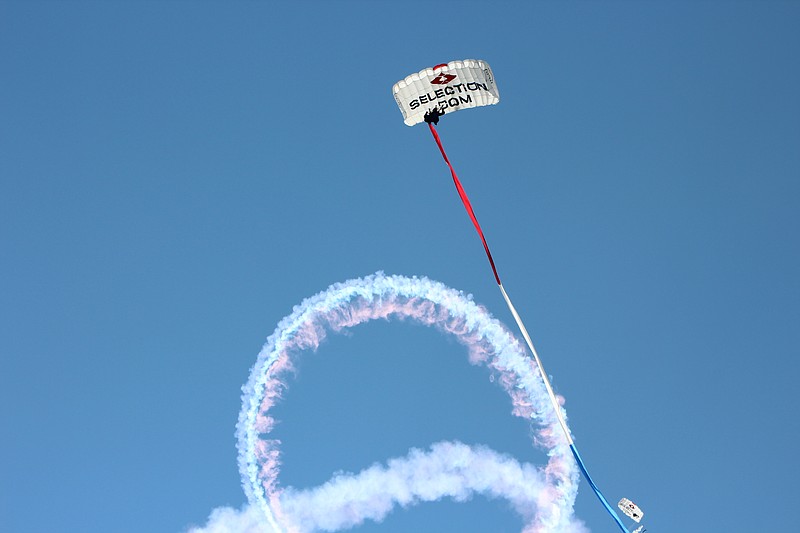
[433, 115]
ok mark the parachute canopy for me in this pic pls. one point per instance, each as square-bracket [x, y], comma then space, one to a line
[448, 87]
[630, 509]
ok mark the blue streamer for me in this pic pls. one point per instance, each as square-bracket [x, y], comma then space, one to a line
[603, 500]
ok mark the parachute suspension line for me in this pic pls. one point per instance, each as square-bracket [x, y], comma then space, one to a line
[556, 406]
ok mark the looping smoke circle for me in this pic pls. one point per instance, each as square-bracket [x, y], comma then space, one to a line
[543, 496]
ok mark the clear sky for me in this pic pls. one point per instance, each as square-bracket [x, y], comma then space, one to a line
[176, 176]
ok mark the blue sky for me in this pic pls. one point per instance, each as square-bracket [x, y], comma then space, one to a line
[176, 176]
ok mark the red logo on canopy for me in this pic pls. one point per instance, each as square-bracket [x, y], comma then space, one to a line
[443, 79]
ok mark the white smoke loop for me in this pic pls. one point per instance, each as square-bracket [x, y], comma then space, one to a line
[543, 496]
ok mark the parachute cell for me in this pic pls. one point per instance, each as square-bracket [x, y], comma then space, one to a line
[447, 87]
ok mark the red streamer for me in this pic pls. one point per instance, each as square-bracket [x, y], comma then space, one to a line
[465, 201]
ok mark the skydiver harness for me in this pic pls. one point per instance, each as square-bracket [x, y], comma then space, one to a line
[432, 116]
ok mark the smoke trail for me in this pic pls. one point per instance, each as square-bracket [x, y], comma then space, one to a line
[542, 496]
[450, 469]
[228, 520]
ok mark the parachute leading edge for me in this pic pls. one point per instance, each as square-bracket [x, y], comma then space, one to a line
[447, 87]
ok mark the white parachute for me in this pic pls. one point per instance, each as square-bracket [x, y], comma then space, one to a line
[447, 87]
[630, 509]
